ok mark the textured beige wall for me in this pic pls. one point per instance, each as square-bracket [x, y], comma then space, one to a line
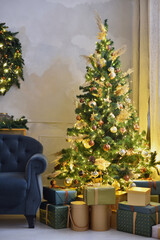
[53, 34]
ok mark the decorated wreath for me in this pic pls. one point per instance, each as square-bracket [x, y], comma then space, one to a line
[11, 61]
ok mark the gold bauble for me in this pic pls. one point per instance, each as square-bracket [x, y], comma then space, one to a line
[86, 143]
[113, 129]
[68, 181]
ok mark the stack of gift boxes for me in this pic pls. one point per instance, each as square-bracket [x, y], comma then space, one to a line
[93, 212]
[56, 209]
[138, 215]
[100, 207]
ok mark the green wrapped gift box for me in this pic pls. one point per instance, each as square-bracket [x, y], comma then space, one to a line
[58, 196]
[138, 220]
[99, 195]
[54, 216]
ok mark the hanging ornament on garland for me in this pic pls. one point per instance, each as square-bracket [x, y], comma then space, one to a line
[11, 62]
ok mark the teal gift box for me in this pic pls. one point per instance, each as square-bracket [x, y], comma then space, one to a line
[136, 219]
[154, 185]
[54, 216]
[58, 196]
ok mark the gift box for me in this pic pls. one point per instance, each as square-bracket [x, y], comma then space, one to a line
[138, 196]
[120, 197]
[154, 185]
[137, 219]
[156, 231]
[100, 217]
[54, 216]
[58, 196]
[114, 219]
[154, 198]
[100, 195]
[79, 216]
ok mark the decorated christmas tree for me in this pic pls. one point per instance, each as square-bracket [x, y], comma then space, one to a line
[106, 145]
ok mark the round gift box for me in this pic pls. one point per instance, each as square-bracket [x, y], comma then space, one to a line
[79, 216]
[100, 217]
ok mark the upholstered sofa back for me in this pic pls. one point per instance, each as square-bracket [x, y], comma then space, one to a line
[15, 150]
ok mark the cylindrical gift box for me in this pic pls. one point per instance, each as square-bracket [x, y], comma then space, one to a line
[100, 217]
[79, 216]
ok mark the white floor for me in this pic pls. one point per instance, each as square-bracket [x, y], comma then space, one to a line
[15, 228]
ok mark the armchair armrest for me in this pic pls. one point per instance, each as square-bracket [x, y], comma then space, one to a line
[35, 165]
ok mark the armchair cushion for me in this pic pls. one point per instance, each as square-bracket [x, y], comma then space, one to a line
[13, 188]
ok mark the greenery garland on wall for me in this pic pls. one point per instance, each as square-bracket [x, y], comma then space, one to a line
[7, 121]
[11, 61]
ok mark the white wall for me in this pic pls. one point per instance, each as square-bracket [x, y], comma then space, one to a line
[53, 34]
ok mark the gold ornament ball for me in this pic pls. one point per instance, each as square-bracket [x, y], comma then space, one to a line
[113, 129]
[68, 181]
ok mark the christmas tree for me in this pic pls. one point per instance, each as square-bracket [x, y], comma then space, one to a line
[106, 144]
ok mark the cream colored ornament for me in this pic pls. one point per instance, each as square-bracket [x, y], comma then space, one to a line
[102, 62]
[94, 174]
[92, 104]
[144, 153]
[122, 152]
[111, 69]
[112, 75]
[102, 78]
[112, 115]
[113, 129]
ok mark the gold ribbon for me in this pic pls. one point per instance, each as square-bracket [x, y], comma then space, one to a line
[134, 222]
[96, 196]
[47, 213]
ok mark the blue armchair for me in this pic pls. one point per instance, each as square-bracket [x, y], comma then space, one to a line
[21, 165]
